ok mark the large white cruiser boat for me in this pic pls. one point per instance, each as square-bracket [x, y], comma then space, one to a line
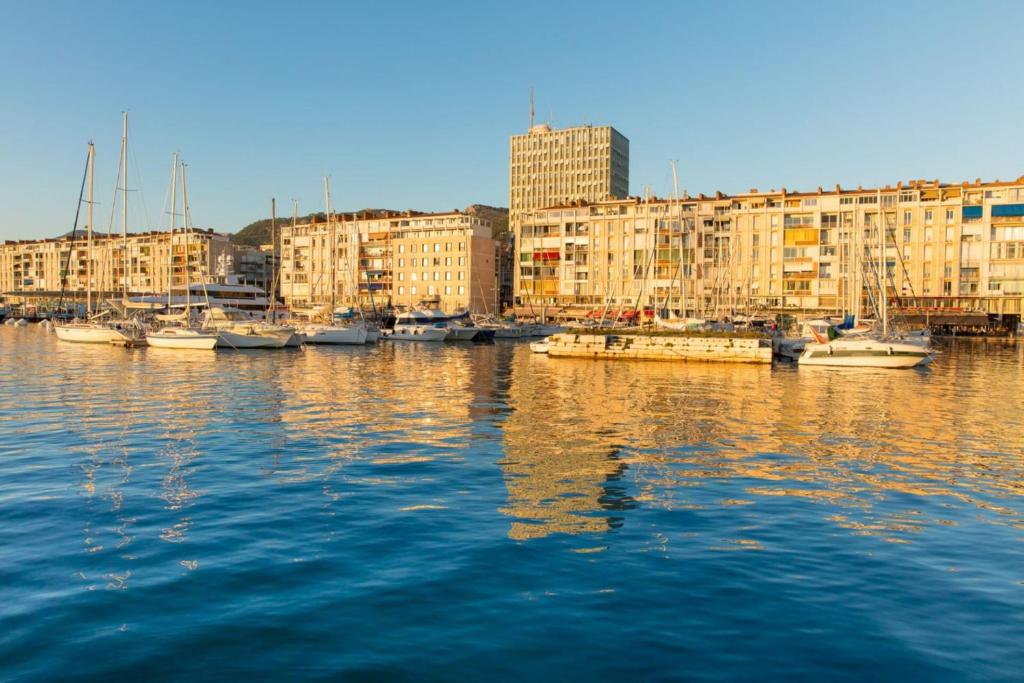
[865, 352]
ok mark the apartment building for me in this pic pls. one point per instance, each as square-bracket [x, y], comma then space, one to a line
[138, 264]
[403, 258]
[945, 245]
[549, 167]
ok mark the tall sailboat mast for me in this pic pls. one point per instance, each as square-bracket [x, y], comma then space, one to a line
[273, 259]
[88, 238]
[170, 240]
[882, 275]
[124, 205]
[334, 254]
[185, 222]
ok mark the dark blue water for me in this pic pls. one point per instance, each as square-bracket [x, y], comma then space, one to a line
[444, 512]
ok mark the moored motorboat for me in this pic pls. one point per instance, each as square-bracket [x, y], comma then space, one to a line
[865, 352]
[334, 334]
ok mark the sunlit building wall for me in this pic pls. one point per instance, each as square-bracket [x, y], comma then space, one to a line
[945, 245]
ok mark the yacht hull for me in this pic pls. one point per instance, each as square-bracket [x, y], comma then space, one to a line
[423, 333]
[182, 339]
[238, 339]
[89, 334]
[865, 354]
[335, 335]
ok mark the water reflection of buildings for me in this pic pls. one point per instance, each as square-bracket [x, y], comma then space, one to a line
[867, 446]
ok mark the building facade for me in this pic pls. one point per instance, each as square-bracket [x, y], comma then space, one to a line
[550, 167]
[138, 264]
[945, 245]
[382, 258]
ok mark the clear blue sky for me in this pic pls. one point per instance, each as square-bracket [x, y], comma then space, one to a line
[410, 105]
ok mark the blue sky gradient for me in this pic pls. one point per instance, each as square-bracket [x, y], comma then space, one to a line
[410, 105]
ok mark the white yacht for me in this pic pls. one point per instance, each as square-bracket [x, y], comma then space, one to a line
[413, 326]
[236, 329]
[865, 352]
[182, 338]
[333, 334]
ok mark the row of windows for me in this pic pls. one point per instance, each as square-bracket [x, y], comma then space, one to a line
[436, 276]
[431, 290]
[436, 261]
[425, 248]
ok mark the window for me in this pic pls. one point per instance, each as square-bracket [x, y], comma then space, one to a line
[448, 290]
[775, 221]
[949, 215]
[462, 290]
[462, 275]
[437, 275]
[928, 217]
[414, 277]
[906, 218]
[401, 290]
[448, 275]
[401, 248]
[448, 260]
[462, 246]
[447, 246]
[906, 234]
[462, 260]
[415, 262]
[401, 263]
[413, 290]
[401, 277]
[437, 246]
[825, 271]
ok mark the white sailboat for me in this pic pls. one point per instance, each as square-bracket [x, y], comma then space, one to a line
[93, 330]
[181, 335]
[869, 351]
[330, 332]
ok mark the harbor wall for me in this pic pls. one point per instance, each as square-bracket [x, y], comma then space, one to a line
[661, 348]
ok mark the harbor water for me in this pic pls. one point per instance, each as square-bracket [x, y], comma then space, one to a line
[412, 511]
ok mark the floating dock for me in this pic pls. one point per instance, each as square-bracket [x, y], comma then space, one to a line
[661, 347]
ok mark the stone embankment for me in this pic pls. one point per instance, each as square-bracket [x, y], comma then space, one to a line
[661, 347]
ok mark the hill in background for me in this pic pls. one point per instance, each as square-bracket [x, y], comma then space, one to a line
[258, 232]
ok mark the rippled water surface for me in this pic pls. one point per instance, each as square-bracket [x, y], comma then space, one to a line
[477, 512]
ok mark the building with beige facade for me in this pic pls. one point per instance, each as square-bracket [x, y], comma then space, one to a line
[549, 167]
[398, 258]
[946, 246]
[37, 269]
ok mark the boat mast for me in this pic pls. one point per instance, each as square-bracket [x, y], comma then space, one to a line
[334, 255]
[88, 238]
[295, 218]
[124, 206]
[883, 303]
[185, 221]
[273, 258]
[170, 240]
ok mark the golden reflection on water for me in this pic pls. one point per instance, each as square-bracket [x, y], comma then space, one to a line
[578, 443]
[850, 438]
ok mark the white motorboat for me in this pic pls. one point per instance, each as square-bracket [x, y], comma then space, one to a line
[237, 330]
[334, 334]
[21, 322]
[539, 346]
[865, 352]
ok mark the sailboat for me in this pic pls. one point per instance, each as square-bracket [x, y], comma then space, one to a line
[181, 335]
[95, 330]
[868, 351]
[330, 332]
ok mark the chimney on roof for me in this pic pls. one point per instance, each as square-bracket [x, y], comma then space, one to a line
[899, 185]
[977, 181]
[859, 188]
[783, 190]
[819, 189]
[701, 196]
[718, 194]
[936, 181]
[753, 190]
[838, 189]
